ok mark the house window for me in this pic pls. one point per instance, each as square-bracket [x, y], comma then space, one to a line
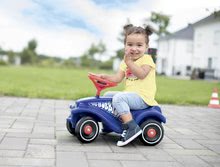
[209, 63]
[188, 68]
[164, 66]
[216, 37]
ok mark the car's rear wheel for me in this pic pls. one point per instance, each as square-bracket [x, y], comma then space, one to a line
[153, 132]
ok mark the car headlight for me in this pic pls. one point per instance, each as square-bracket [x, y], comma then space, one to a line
[73, 105]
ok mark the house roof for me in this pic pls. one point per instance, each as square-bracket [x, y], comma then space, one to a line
[187, 33]
[213, 17]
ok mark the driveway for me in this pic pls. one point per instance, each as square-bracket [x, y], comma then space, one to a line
[33, 133]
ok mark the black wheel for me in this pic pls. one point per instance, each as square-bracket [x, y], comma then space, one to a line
[87, 129]
[152, 132]
[70, 128]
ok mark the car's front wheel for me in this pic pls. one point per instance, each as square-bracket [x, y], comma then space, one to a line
[87, 129]
[70, 128]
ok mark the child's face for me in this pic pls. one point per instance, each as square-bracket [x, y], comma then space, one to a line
[135, 45]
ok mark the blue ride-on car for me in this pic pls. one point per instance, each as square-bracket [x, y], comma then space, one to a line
[87, 114]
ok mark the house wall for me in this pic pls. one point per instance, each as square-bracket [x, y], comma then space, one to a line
[207, 47]
[174, 55]
[183, 56]
[162, 57]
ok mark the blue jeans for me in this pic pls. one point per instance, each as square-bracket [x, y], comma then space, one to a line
[123, 102]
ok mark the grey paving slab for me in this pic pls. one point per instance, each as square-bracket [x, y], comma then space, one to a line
[37, 162]
[12, 153]
[40, 151]
[70, 159]
[33, 133]
[105, 163]
[12, 143]
[150, 164]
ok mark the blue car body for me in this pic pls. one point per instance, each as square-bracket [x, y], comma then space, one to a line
[100, 108]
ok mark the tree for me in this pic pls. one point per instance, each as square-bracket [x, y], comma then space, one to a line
[85, 61]
[2, 52]
[96, 49]
[32, 45]
[11, 57]
[102, 47]
[88, 58]
[120, 53]
[162, 21]
[29, 55]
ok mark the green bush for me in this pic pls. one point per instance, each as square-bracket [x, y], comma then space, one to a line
[3, 63]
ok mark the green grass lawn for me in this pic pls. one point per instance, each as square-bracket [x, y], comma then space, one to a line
[73, 84]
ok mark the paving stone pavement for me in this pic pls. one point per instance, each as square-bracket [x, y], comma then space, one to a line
[33, 134]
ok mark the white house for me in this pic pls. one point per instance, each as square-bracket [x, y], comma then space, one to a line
[206, 43]
[196, 46]
[175, 52]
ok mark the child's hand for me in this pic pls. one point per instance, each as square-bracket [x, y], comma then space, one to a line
[103, 76]
[127, 56]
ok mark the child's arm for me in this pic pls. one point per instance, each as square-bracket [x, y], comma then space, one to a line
[139, 71]
[118, 77]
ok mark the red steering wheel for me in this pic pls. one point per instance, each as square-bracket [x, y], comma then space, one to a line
[100, 83]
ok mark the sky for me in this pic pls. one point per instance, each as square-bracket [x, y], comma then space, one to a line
[67, 28]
